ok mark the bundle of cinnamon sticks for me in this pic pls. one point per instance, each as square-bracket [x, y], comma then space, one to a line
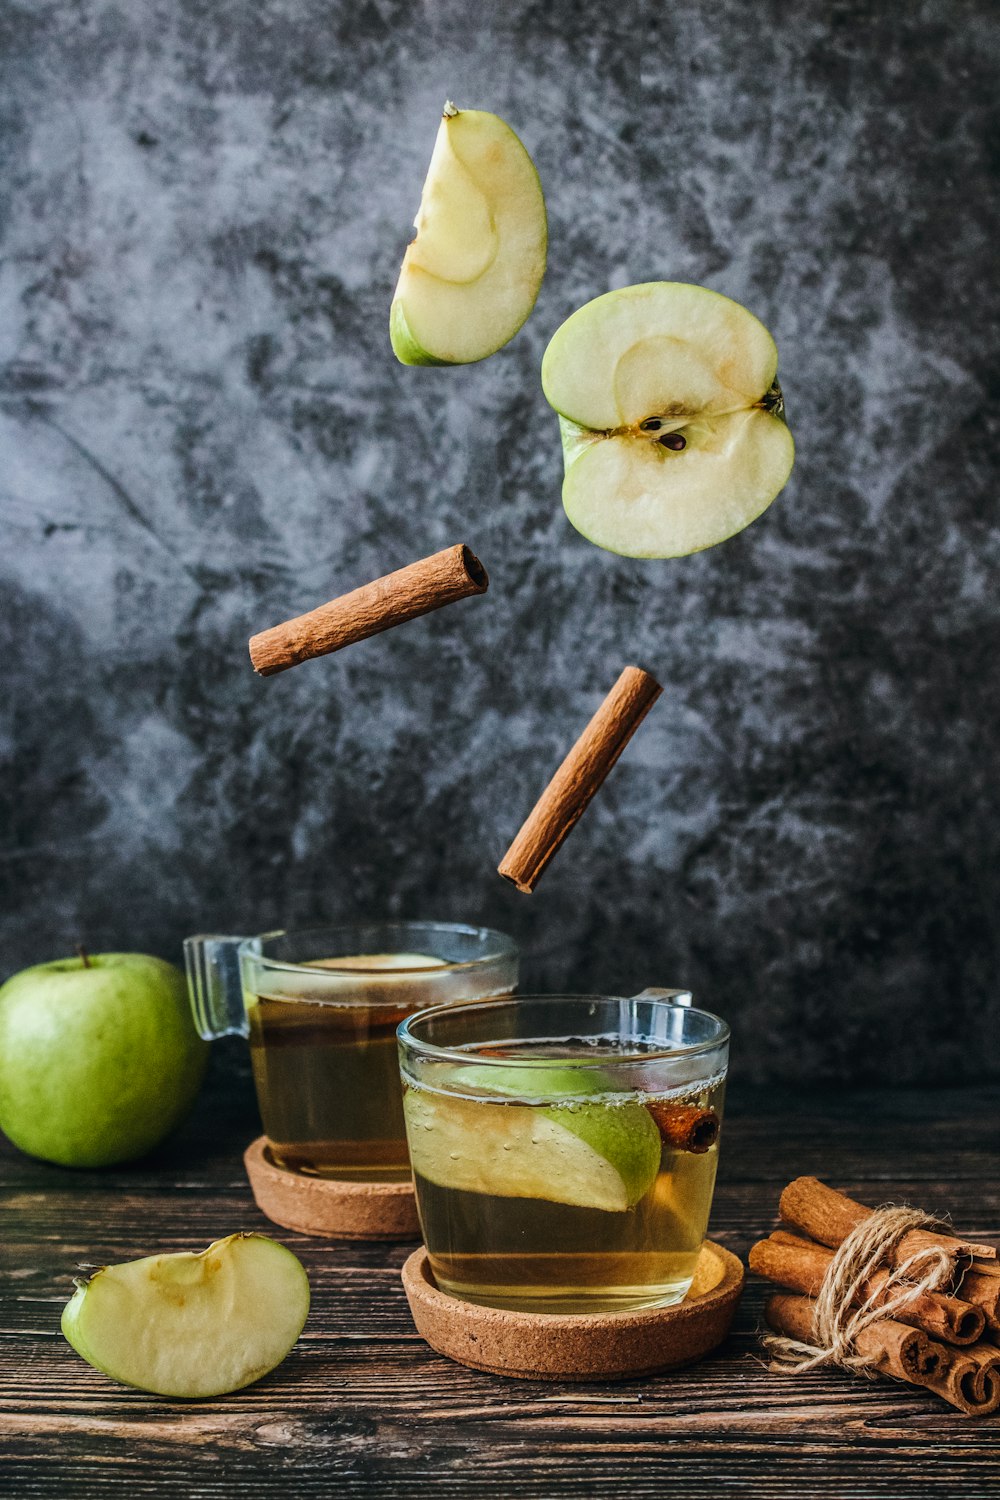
[947, 1340]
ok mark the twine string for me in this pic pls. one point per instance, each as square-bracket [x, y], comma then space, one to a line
[837, 1322]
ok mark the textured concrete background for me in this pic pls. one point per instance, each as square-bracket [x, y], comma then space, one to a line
[203, 207]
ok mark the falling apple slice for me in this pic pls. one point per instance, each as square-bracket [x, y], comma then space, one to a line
[191, 1325]
[671, 417]
[471, 275]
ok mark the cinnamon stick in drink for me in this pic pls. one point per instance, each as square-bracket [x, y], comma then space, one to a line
[685, 1127]
[415, 590]
[895, 1349]
[829, 1217]
[581, 774]
[802, 1265]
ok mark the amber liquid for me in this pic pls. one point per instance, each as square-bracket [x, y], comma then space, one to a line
[327, 1072]
[530, 1254]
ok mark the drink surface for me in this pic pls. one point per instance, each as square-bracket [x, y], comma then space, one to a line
[553, 1188]
[326, 1069]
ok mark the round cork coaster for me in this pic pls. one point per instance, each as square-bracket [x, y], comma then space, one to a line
[594, 1346]
[328, 1209]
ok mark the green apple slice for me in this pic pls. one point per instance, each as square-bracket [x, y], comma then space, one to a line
[191, 1325]
[366, 962]
[671, 418]
[470, 277]
[603, 1155]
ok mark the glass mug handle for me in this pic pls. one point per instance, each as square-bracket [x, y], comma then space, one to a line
[672, 997]
[214, 985]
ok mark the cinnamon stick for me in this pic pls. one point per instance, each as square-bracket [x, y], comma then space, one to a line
[785, 1237]
[984, 1291]
[579, 777]
[986, 1356]
[895, 1349]
[685, 1127]
[829, 1217]
[415, 590]
[971, 1382]
[802, 1265]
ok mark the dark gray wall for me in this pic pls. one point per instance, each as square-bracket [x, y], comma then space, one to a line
[203, 207]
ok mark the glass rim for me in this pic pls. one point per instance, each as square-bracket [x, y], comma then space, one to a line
[504, 947]
[430, 1050]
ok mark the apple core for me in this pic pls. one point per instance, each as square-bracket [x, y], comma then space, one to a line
[671, 417]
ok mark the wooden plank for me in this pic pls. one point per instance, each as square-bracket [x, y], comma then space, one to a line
[362, 1407]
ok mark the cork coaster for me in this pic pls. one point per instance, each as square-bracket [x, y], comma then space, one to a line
[329, 1209]
[594, 1346]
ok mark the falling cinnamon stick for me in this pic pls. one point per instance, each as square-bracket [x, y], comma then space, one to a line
[829, 1217]
[685, 1127]
[415, 590]
[895, 1349]
[579, 777]
[802, 1266]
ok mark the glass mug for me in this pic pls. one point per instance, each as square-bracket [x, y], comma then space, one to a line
[320, 1008]
[564, 1148]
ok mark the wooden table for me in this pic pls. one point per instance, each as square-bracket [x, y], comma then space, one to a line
[363, 1408]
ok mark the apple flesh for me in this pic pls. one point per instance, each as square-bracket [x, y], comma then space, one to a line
[191, 1324]
[602, 1155]
[470, 277]
[99, 1057]
[671, 418]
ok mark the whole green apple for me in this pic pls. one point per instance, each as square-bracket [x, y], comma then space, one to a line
[99, 1058]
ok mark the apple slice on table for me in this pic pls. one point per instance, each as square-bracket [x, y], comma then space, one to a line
[671, 417]
[471, 275]
[191, 1325]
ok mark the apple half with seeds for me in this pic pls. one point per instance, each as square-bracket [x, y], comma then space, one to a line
[191, 1324]
[672, 419]
[470, 277]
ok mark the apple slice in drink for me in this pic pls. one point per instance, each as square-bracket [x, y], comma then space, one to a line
[671, 418]
[191, 1325]
[470, 277]
[602, 1155]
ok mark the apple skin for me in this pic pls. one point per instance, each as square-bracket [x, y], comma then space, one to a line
[98, 1063]
[404, 345]
[190, 1325]
[624, 1135]
[504, 174]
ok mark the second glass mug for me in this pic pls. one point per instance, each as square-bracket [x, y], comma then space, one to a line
[320, 1008]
